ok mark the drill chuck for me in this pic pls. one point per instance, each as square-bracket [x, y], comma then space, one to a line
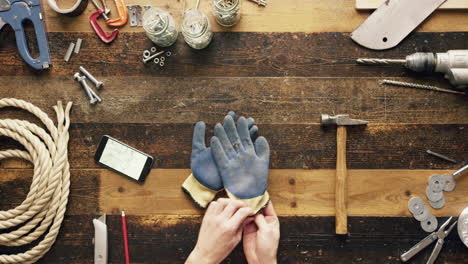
[421, 62]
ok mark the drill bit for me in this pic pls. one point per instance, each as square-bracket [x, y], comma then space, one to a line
[369, 61]
[430, 152]
[421, 86]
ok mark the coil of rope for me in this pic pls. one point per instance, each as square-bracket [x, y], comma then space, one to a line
[43, 210]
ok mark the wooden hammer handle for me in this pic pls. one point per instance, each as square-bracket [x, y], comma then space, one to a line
[341, 221]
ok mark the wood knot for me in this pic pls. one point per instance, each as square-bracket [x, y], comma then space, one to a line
[121, 189]
[292, 181]
[293, 204]
[408, 193]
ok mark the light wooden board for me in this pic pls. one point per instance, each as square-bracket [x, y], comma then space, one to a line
[294, 192]
[277, 16]
[449, 4]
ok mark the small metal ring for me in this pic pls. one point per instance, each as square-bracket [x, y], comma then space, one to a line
[162, 58]
[153, 49]
[156, 60]
[168, 53]
[146, 54]
[161, 63]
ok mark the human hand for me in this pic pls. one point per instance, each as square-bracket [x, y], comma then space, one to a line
[220, 232]
[261, 237]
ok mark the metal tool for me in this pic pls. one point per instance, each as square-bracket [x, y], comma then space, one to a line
[78, 46]
[450, 179]
[463, 226]
[15, 13]
[421, 86]
[135, 13]
[440, 235]
[87, 89]
[75, 10]
[88, 75]
[69, 52]
[430, 152]
[100, 240]
[97, 28]
[453, 64]
[342, 121]
[392, 22]
[123, 15]
[150, 57]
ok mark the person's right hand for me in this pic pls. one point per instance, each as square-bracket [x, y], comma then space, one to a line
[220, 232]
[261, 237]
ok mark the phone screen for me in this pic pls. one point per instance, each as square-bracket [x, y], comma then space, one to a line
[124, 159]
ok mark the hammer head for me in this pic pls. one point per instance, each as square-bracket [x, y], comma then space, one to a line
[340, 120]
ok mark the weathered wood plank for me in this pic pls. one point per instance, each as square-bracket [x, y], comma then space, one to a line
[284, 100]
[294, 192]
[169, 239]
[373, 4]
[278, 16]
[293, 146]
[230, 54]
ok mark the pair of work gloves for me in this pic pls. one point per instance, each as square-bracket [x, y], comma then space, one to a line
[233, 162]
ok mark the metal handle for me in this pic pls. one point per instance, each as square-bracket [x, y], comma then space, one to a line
[418, 247]
[460, 171]
[436, 251]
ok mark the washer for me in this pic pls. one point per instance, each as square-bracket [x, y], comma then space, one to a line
[438, 204]
[161, 63]
[450, 182]
[156, 60]
[153, 49]
[162, 58]
[433, 196]
[437, 182]
[416, 206]
[424, 216]
[146, 54]
[430, 225]
[168, 53]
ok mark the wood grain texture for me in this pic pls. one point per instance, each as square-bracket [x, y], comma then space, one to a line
[169, 239]
[373, 4]
[293, 146]
[294, 192]
[341, 183]
[277, 16]
[229, 55]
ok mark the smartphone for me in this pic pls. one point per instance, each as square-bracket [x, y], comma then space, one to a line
[124, 159]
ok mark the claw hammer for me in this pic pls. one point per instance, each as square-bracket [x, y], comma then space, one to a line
[341, 121]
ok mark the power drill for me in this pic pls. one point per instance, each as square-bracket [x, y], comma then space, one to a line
[453, 64]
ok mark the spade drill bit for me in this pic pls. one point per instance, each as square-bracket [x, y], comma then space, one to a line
[454, 64]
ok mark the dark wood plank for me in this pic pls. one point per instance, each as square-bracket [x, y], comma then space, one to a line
[331, 54]
[295, 146]
[169, 239]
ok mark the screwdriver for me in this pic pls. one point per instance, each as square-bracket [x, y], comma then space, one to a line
[453, 64]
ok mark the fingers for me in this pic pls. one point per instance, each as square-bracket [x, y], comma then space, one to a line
[232, 134]
[253, 132]
[260, 221]
[231, 207]
[262, 148]
[244, 134]
[240, 216]
[213, 209]
[269, 210]
[232, 114]
[250, 122]
[227, 146]
[218, 153]
[198, 140]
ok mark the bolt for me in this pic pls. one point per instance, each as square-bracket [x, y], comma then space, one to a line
[145, 60]
[97, 83]
[84, 84]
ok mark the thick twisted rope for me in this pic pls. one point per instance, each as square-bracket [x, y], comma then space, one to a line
[44, 207]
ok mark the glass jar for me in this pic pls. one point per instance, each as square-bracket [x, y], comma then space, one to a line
[196, 29]
[227, 12]
[160, 27]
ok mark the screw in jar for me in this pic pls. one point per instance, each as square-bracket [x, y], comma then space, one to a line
[160, 27]
[227, 12]
[196, 29]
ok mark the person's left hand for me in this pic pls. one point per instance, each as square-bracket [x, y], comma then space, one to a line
[220, 232]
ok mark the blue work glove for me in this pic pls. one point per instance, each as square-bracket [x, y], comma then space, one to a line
[243, 166]
[205, 181]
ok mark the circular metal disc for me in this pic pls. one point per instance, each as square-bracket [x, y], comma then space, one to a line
[424, 216]
[439, 204]
[433, 196]
[449, 182]
[463, 226]
[430, 224]
[437, 182]
[416, 205]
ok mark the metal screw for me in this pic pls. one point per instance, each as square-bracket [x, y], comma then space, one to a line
[145, 60]
[84, 84]
[97, 83]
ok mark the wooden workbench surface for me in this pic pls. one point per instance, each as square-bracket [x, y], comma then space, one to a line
[284, 65]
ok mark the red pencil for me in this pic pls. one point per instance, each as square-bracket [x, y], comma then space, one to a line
[125, 239]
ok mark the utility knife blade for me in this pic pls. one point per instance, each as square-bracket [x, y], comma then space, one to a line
[392, 22]
[100, 240]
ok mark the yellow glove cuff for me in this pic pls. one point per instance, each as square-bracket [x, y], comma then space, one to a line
[200, 194]
[256, 203]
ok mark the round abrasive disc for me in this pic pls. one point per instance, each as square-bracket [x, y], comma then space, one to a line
[433, 196]
[416, 205]
[438, 204]
[430, 224]
[449, 182]
[424, 216]
[436, 182]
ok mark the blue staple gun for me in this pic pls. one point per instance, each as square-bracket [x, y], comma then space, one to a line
[15, 13]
